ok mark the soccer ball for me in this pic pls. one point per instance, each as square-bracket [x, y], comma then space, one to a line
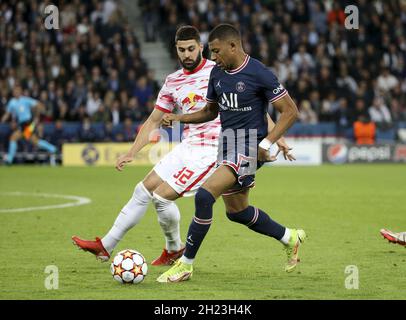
[129, 266]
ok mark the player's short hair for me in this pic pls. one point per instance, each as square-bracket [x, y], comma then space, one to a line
[223, 32]
[187, 33]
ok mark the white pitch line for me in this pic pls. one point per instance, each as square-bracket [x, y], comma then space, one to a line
[78, 201]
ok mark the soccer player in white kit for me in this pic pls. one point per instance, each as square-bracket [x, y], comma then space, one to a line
[181, 171]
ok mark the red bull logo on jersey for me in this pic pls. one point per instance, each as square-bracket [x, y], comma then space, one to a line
[191, 100]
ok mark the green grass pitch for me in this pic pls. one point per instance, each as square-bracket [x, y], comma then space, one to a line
[341, 208]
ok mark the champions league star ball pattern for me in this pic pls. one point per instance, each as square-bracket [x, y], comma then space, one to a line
[129, 266]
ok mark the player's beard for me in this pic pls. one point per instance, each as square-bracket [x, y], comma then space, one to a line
[192, 66]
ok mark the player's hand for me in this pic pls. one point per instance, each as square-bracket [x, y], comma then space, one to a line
[265, 156]
[123, 160]
[286, 150]
[168, 118]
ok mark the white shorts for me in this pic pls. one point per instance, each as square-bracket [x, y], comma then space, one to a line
[187, 167]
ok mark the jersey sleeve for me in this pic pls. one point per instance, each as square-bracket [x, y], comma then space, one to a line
[165, 101]
[211, 95]
[273, 89]
[30, 102]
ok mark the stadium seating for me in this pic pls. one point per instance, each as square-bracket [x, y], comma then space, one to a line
[385, 136]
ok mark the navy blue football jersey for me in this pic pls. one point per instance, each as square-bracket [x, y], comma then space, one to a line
[243, 95]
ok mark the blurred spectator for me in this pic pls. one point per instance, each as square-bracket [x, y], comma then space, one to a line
[397, 110]
[380, 114]
[133, 110]
[336, 15]
[306, 114]
[318, 17]
[86, 132]
[115, 114]
[386, 81]
[329, 107]
[343, 117]
[303, 61]
[113, 82]
[109, 134]
[364, 130]
[150, 16]
[359, 110]
[58, 137]
[143, 91]
[101, 115]
[93, 103]
[128, 133]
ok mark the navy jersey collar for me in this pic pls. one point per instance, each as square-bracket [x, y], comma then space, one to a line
[242, 66]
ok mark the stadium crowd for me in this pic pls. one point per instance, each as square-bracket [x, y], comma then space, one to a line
[335, 74]
[90, 70]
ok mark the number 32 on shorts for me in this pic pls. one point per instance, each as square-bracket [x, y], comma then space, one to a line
[183, 175]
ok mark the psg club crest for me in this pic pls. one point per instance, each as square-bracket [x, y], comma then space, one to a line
[240, 86]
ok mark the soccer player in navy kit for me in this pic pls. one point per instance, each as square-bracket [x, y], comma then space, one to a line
[240, 88]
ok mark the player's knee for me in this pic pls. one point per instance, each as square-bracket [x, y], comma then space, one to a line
[141, 194]
[204, 198]
[159, 202]
[141, 197]
[204, 204]
[166, 209]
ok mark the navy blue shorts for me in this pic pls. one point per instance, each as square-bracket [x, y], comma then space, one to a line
[241, 155]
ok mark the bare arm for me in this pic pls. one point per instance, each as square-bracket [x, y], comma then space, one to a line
[151, 124]
[208, 113]
[282, 145]
[271, 125]
[289, 114]
[142, 138]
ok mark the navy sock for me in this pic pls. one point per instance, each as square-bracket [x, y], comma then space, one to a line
[259, 221]
[201, 222]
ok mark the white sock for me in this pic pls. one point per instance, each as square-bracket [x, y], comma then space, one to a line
[286, 236]
[168, 218]
[128, 217]
[186, 260]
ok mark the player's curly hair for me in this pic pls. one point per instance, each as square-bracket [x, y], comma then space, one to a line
[187, 33]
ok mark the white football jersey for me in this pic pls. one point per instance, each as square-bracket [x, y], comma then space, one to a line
[187, 91]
